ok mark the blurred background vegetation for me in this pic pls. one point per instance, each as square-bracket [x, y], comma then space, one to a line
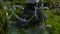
[53, 15]
[3, 21]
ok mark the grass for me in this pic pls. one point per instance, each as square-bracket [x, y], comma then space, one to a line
[50, 20]
[55, 23]
[3, 23]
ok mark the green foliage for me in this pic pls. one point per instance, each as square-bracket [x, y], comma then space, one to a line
[55, 23]
[3, 23]
[51, 20]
